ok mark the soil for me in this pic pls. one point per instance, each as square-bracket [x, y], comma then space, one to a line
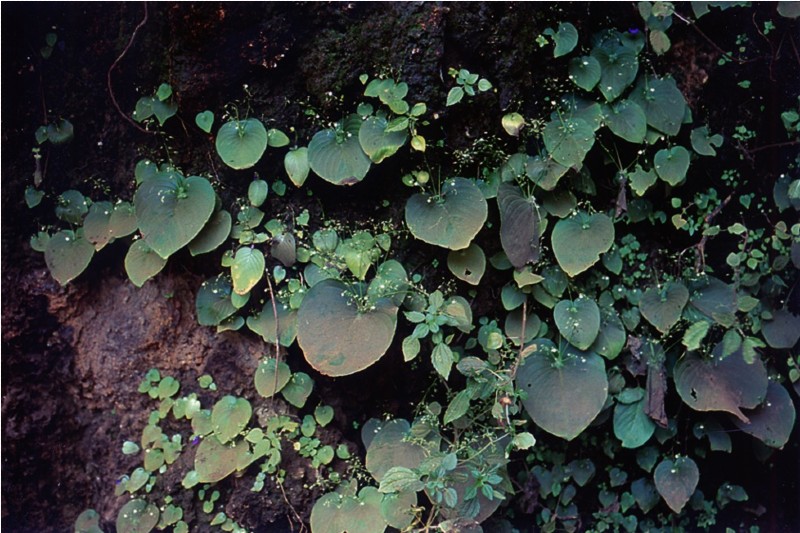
[72, 358]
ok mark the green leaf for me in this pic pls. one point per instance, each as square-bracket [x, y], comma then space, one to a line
[523, 441]
[96, 224]
[377, 142]
[455, 95]
[60, 131]
[703, 143]
[323, 414]
[566, 38]
[458, 406]
[263, 323]
[204, 120]
[645, 494]
[552, 386]
[520, 225]
[662, 102]
[410, 348]
[67, 254]
[772, 421]
[578, 321]
[337, 513]
[662, 307]
[172, 210]
[336, 155]
[298, 389]
[715, 384]
[468, 264]
[229, 417]
[513, 123]
[137, 516]
[627, 120]
[276, 138]
[142, 263]
[247, 269]
[676, 481]
[671, 165]
[442, 359]
[257, 192]
[659, 41]
[641, 180]
[214, 461]
[213, 234]
[213, 303]
[694, 335]
[270, 378]
[579, 240]
[585, 72]
[33, 197]
[88, 522]
[391, 446]
[72, 206]
[241, 143]
[328, 321]
[400, 479]
[632, 426]
[568, 140]
[612, 337]
[450, 220]
[618, 65]
[296, 164]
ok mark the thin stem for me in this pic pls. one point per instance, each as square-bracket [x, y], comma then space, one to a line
[277, 335]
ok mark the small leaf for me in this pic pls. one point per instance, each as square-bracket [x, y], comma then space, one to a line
[276, 138]
[241, 143]
[229, 417]
[442, 359]
[523, 441]
[67, 255]
[662, 307]
[458, 407]
[512, 123]
[142, 263]
[578, 321]
[204, 120]
[585, 72]
[268, 381]
[566, 38]
[247, 269]
[676, 481]
[468, 264]
[296, 164]
[671, 165]
[323, 414]
[579, 240]
[298, 389]
[694, 335]
[454, 96]
[400, 479]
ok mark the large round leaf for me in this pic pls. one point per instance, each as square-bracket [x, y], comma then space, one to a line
[215, 461]
[663, 306]
[450, 220]
[783, 330]
[391, 446]
[579, 240]
[172, 210]
[213, 303]
[662, 102]
[336, 155]
[337, 338]
[671, 165]
[137, 516]
[568, 140]
[721, 384]
[578, 321]
[520, 225]
[68, 254]
[142, 263]
[229, 417]
[773, 420]
[627, 120]
[241, 143]
[213, 234]
[468, 264]
[676, 481]
[376, 142]
[340, 513]
[566, 393]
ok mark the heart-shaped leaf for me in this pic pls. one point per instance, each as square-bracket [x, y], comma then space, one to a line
[632, 426]
[662, 103]
[247, 269]
[676, 481]
[641, 180]
[578, 321]
[72, 206]
[213, 234]
[329, 320]
[703, 143]
[338, 513]
[627, 120]
[172, 210]
[270, 378]
[662, 307]
[715, 299]
[568, 140]
[229, 417]
[263, 323]
[214, 461]
[376, 142]
[67, 254]
[579, 240]
[241, 143]
[618, 66]
[336, 155]
[520, 225]
[213, 303]
[721, 384]
[96, 224]
[545, 173]
[468, 264]
[142, 263]
[137, 516]
[296, 164]
[612, 337]
[783, 330]
[671, 165]
[551, 378]
[298, 389]
[449, 220]
[566, 38]
[772, 421]
[391, 446]
[204, 120]
[645, 494]
[585, 72]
